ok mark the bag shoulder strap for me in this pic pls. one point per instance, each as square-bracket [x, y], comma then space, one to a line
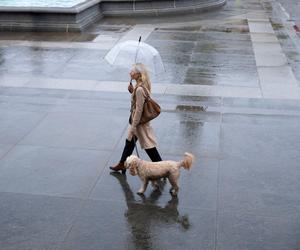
[146, 91]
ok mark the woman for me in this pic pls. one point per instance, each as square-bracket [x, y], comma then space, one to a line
[137, 131]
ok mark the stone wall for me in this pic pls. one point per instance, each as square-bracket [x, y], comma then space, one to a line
[81, 16]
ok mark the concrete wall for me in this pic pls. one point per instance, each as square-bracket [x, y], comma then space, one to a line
[81, 16]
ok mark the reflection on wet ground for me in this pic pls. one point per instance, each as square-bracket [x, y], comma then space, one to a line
[211, 55]
[141, 216]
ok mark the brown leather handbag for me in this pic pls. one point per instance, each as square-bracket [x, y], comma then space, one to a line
[151, 109]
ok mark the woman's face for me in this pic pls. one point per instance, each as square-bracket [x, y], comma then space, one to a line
[133, 74]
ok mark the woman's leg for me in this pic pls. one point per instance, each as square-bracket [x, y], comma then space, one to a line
[127, 151]
[153, 154]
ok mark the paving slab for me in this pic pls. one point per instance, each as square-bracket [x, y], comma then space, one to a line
[35, 222]
[138, 30]
[264, 38]
[257, 15]
[248, 231]
[4, 149]
[52, 83]
[272, 90]
[12, 81]
[78, 130]
[267, 48]
[283, 76]
[34, 100]
[204, 90]
[51, 171]
[10, 130]
[260, 194]
[260, 27]
[93, 102]
[270, 60]
[263, 132]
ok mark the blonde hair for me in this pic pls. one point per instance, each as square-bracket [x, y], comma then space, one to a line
[144, 79]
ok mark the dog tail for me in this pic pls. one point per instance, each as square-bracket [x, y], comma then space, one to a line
[187, 161]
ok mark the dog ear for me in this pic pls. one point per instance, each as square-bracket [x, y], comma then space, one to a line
[128, 161]
[133, 167]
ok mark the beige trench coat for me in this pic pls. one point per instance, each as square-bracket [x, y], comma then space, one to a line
[144, 132]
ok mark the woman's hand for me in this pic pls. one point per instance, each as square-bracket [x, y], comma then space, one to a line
[130, 88]
[131, 133]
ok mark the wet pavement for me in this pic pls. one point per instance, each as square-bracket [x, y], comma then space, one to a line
[63, 121]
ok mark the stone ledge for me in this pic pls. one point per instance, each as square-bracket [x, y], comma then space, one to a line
[49, 20]
[80, 16]
[139, 8]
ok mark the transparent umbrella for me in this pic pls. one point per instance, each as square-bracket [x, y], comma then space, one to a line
[127, 53]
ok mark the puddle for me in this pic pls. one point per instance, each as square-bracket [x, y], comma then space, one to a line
[208, 47]
[282, 36]
[182, 29]
[268, 6]
[191, 108]
[228, 29]
[85, 38]
[276, 26]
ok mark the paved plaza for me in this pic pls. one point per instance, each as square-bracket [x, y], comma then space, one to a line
[230, 95]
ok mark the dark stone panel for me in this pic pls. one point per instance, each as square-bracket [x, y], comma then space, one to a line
[81, 130]
[4, 149]
[10, 130]
[246, 231]
[30, 222]
[261, 188]
[49, 171]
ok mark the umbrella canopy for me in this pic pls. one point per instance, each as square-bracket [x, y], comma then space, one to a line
[127, 53]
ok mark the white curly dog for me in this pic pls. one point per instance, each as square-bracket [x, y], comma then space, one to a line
[152, 171]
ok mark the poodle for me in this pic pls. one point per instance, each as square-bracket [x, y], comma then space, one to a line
[152, 171]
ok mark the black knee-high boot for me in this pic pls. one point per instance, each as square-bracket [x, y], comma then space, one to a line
[127, 151]
[153, 154]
